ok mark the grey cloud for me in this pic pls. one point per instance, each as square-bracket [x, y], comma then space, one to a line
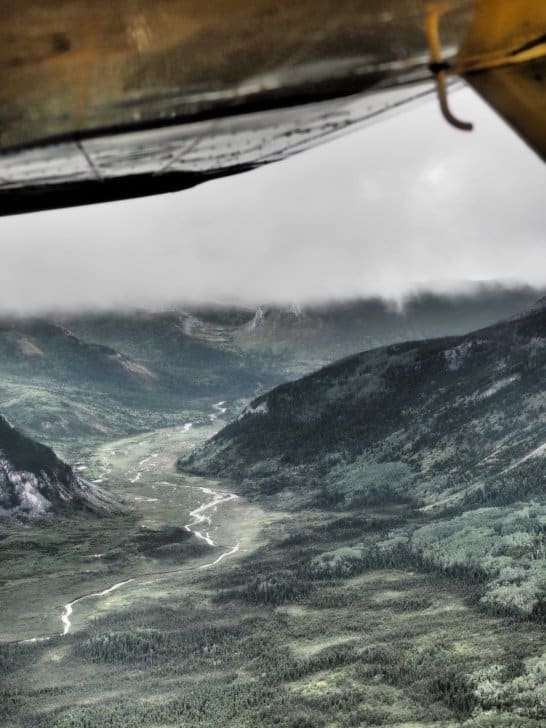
[405, 204]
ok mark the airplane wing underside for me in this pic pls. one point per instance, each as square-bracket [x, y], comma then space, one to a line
[175, 157]
[122, 98]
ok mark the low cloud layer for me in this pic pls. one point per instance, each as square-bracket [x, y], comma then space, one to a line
[408, 203]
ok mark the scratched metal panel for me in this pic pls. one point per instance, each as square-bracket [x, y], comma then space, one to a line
[209, 146]
[71, 67]
[43, 165]
[120, 98]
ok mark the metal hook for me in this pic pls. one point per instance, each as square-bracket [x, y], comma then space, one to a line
[439, 67]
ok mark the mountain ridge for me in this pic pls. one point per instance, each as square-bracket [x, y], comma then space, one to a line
[503, 347]
[81, 380]
[447, 434]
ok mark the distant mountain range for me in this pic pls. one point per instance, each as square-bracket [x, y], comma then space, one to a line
[318, 334]
[34, 482]
[96, 377]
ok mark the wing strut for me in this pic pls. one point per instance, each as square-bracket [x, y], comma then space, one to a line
[438, 66]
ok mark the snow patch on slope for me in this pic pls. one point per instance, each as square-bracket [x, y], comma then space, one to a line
[536, 344]
[455, 357]
[496, 387]
[259, 409]
[134, 367]
[295, 310]
[536, 453]
[256, 321]
[28, 348]
[189, 323]
[20, 492]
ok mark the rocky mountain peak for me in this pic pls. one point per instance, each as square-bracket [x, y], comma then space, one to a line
[34, 482]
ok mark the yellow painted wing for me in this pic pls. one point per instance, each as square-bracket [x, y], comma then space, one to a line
[504, 59]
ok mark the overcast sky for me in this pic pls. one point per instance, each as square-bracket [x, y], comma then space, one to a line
[403, 204]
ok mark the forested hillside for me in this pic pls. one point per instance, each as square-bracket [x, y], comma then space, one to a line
[450, 432]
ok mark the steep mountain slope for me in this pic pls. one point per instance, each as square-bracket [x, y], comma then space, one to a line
[445, 406]
[65, 386]
[450, 432]
[282, 340]
[45, 350]
[189, 352]
[174, 338]
[34, 482]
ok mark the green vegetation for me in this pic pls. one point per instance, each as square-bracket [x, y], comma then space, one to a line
[450, 430]
[49, 561]
[82, 381]
[267, 640]
[390, 569]
[106, 378]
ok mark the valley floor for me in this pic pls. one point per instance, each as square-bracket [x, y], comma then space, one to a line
[220, 623]
[177, 524]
